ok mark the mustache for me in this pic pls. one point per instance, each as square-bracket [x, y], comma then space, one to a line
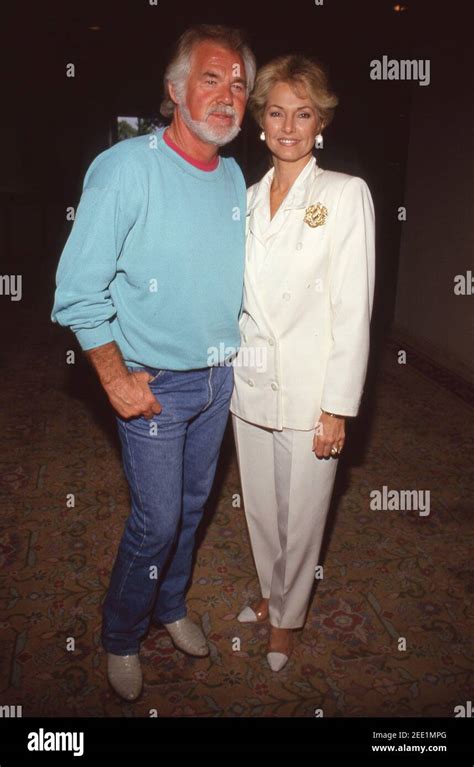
[224, 109]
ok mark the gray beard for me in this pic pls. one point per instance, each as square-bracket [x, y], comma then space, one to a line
[204, 131]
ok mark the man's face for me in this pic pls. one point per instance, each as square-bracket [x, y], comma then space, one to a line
[216, 94]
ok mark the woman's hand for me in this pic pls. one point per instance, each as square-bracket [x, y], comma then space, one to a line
[330, 432]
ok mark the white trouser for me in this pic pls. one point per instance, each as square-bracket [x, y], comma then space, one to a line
[286, 493]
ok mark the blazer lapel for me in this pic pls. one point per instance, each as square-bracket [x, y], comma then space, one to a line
[262, 233]
[302, 188]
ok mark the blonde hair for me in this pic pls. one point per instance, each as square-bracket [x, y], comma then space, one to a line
[297, 71]
[179, 68]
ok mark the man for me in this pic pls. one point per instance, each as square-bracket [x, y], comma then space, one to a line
[150, 280]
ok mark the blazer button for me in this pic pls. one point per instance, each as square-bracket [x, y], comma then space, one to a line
[286, 296]
[299, 245]
[251, 382]
[271, 342]
[274, 386]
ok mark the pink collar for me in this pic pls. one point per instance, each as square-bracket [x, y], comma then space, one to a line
[207, 166]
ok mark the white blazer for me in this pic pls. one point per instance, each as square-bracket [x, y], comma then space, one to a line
[307, 301]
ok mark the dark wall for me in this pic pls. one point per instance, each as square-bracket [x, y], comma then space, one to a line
[438, 235]
[55, 125]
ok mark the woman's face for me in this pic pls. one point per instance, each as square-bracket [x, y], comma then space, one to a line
[290, 122]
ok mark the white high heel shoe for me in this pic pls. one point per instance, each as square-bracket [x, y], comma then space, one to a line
[276, 660]
[249, 615]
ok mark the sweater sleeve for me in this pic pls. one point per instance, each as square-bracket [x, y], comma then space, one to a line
[106, 212]
[351, 290]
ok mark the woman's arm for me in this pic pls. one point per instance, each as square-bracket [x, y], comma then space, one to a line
[351, 292]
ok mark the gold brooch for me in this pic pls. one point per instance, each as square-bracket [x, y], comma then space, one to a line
[315, 215]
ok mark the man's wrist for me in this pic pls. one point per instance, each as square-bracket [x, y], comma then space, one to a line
[108, 363]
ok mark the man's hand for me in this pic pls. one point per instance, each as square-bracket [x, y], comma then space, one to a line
[333, 435]
[131, 396]
[129, 393]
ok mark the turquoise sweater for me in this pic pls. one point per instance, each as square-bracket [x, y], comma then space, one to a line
[155, 257]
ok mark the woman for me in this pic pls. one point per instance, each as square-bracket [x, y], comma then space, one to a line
[305, 320]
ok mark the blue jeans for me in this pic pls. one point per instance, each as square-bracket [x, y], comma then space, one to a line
[170, 463]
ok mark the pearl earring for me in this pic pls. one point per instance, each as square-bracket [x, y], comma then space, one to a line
[319, 142]
[262, 136]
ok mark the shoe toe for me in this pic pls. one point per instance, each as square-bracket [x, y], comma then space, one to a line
[188, 637]
[247, 616]
[125, 691]
[276, 660]
[125, 675]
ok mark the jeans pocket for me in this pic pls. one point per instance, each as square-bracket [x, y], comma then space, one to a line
[156, 373]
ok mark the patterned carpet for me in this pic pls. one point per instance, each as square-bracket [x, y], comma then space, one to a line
[387, 574]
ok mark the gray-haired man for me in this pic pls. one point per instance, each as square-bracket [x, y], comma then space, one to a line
[150, 281]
